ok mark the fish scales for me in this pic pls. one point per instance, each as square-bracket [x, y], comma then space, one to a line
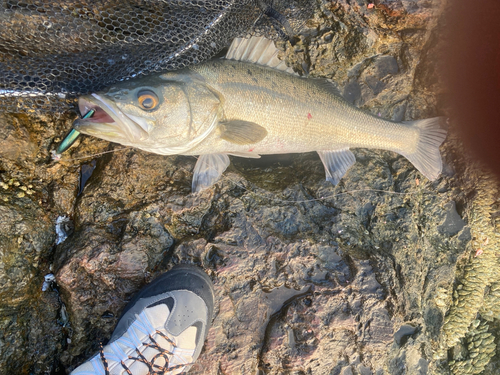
[300, 114]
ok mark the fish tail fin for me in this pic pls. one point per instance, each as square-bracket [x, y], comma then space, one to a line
[427, 158]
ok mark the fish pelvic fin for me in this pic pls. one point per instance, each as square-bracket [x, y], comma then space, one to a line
[426, 157]
[208, 170]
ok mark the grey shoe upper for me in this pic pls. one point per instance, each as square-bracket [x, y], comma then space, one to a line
[185, 310]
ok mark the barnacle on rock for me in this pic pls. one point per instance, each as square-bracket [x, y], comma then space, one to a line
[482, 273]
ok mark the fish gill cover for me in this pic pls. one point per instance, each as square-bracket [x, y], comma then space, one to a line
[52, 51]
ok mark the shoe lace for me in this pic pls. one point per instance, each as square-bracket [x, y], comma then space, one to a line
[154, 369]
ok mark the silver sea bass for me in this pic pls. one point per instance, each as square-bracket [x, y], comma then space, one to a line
[248, 105]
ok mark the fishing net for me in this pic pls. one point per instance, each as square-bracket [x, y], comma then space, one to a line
[52, 51]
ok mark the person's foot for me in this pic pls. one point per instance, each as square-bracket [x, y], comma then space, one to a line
[162, 329]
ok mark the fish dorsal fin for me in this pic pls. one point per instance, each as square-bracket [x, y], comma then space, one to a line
[336, 163]
[257, 50]
[208, 170]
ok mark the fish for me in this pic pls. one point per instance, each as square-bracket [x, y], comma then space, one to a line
[250, 104]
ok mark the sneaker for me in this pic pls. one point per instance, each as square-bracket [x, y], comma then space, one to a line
[162, 329]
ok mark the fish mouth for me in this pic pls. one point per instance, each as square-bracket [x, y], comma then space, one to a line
[108, 121]
[100, 115]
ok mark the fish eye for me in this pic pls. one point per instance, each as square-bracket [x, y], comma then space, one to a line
[148, 100]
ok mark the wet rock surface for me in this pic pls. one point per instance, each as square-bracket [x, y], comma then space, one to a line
[361, 278]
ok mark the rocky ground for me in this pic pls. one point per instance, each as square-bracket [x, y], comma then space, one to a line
[386, 273]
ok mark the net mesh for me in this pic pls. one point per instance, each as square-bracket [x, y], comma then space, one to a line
[53, 51]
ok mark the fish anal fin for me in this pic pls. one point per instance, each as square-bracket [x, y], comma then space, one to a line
[336, 163]
[241, 132]
[208, 170]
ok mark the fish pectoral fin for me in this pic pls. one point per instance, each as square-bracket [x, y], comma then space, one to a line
[208, 170]
[241, 132]
[336, 163]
